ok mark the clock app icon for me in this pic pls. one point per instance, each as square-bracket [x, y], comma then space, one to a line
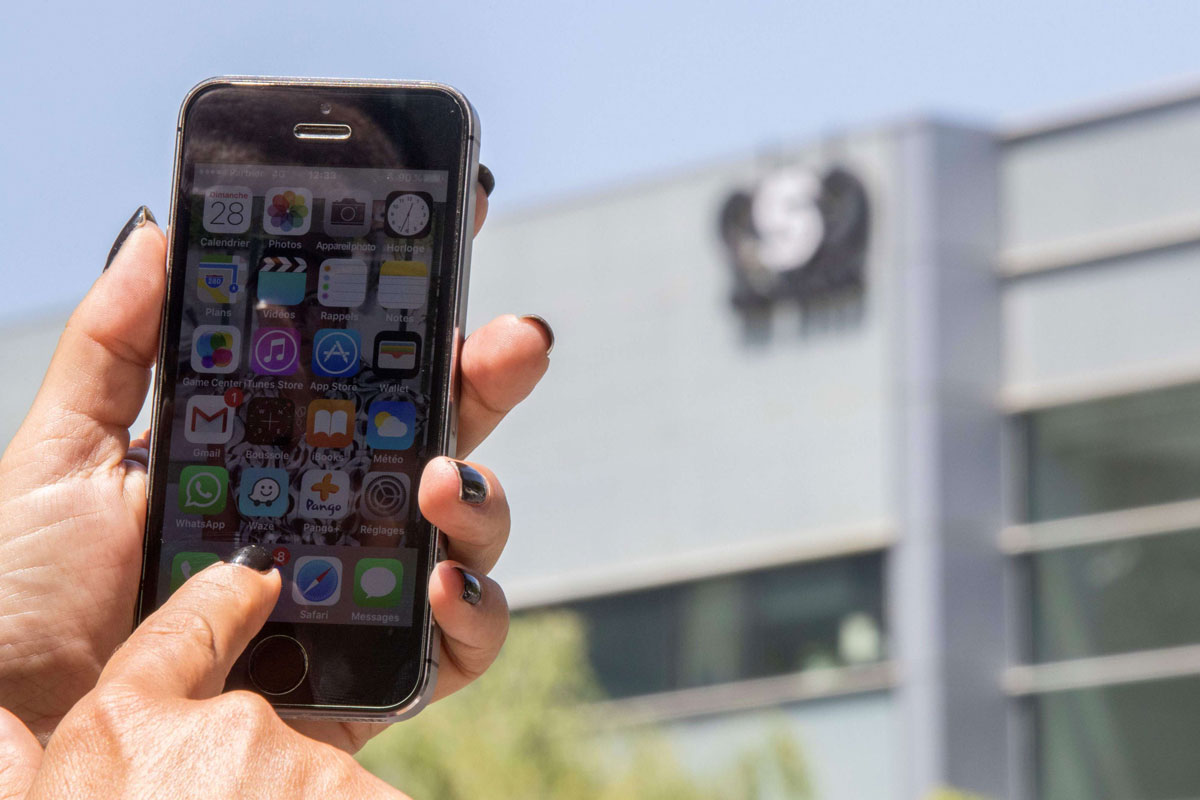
[408, 215]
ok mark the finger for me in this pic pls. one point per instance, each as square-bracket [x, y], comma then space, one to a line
[481, 207]
[472, 612]
[467, 503]
[98, 377]
[186, 648]
[20, 756]
[501, 363]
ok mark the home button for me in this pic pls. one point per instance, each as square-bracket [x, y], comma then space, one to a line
[278, 664]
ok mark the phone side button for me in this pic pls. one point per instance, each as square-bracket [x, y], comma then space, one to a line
[278, 664]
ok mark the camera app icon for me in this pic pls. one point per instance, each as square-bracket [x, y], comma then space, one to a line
[348, 213]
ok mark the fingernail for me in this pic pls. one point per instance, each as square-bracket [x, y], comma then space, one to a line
[139, 218]
[472, 486]
[254, 556]
[545, 326]
[472, 588]
[487, 180]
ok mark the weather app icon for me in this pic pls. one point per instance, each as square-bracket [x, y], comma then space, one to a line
[336, 352]
[317, 581]
[391, 425]
[263, 492]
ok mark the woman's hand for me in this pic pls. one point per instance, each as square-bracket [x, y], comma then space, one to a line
[73, 492]
[156, 724]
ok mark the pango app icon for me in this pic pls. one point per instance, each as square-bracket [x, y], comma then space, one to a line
[282, 280]
[287, 211]
[336, 352]
[330, 423]
[221, 278]
[208, 419]
[202, 489]
[216, 348]
[317, 581]
[324, 494]
[391, 425]
[275, 351]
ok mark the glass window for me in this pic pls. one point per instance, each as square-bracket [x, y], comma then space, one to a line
[1117, 597]
[1116, 453]
[1120, 742]
[752, 625]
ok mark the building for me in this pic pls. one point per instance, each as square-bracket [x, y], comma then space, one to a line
[939, 510]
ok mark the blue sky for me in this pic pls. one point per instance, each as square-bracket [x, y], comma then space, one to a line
[573, 96]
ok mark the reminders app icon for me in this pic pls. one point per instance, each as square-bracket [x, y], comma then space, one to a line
[342, 282]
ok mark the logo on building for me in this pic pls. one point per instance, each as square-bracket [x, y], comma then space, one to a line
[800, 236]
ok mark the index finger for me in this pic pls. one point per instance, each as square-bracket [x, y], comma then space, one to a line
[187, 647]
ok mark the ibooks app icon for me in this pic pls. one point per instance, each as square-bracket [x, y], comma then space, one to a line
[330, 423]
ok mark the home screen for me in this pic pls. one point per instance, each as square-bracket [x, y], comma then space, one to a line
[301, 403]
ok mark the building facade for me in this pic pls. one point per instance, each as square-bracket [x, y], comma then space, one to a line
[940, 518]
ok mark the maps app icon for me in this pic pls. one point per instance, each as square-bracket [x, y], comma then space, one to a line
[221, 278]
[282, 280]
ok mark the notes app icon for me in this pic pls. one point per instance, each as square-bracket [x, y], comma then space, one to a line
[403, 284]
[330, 423]
[342, 283]
[275, 351]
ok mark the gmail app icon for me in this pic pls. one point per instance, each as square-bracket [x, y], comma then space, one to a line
[209, 419]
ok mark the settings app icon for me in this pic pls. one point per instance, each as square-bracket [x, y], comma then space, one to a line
[385, 496]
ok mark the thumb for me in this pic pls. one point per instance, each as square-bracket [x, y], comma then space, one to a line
[186, 648]
[20, 757]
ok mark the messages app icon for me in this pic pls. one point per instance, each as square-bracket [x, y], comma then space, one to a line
[185, 565]
[202, 489]
[378, 583]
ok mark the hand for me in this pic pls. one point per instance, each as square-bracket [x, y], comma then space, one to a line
[156, 724]
[73, 491]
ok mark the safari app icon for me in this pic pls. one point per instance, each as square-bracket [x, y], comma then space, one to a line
[263, 492]
[378, 583]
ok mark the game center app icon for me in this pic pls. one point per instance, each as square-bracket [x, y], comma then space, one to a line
[263, 492]
[330, 423]
[324, 494]
[336, 352]
[378, 583]
[287, 211]
[216, 348]
[391, 424]
[275, 351]
[270, 421]
[202, 489]
[208, 419]
[221, 278]
[317, 580]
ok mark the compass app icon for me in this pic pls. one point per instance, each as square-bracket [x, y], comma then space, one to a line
[317, 581]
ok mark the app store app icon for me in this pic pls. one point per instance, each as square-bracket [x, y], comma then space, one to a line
[336, 352]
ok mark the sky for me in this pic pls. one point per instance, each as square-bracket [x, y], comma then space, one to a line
[574, 97]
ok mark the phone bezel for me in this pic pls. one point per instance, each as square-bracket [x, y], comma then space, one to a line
[458, 154]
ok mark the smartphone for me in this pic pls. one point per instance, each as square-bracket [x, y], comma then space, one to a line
[319, 251]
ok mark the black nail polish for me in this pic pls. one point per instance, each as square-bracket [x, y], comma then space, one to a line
[139, 218]
[472, 588]
[545, 326]
[487, 180]
[472, 488]
[254, 556]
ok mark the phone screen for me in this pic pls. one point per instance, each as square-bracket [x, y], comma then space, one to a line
[304, 384]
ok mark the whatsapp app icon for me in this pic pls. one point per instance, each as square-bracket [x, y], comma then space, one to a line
[202, 490]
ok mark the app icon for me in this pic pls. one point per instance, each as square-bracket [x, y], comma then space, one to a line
[348, 214]
[221, 278]
[216, 348]
[282, 280]
[324, 494]
[335, 352]
[407, 215]
[202, 489]
[275, 351]
[378, 582]
[330, 423]
[208, 419]
[263, 492]
[398, 354]
[391, 424]
[270, 421]
[385, 496]
[317, 580]
[227, 209]
[185, 565]
[343, 282]
[287, 211]
[403, 284]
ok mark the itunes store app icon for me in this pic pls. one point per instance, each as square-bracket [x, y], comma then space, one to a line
[275, 351]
